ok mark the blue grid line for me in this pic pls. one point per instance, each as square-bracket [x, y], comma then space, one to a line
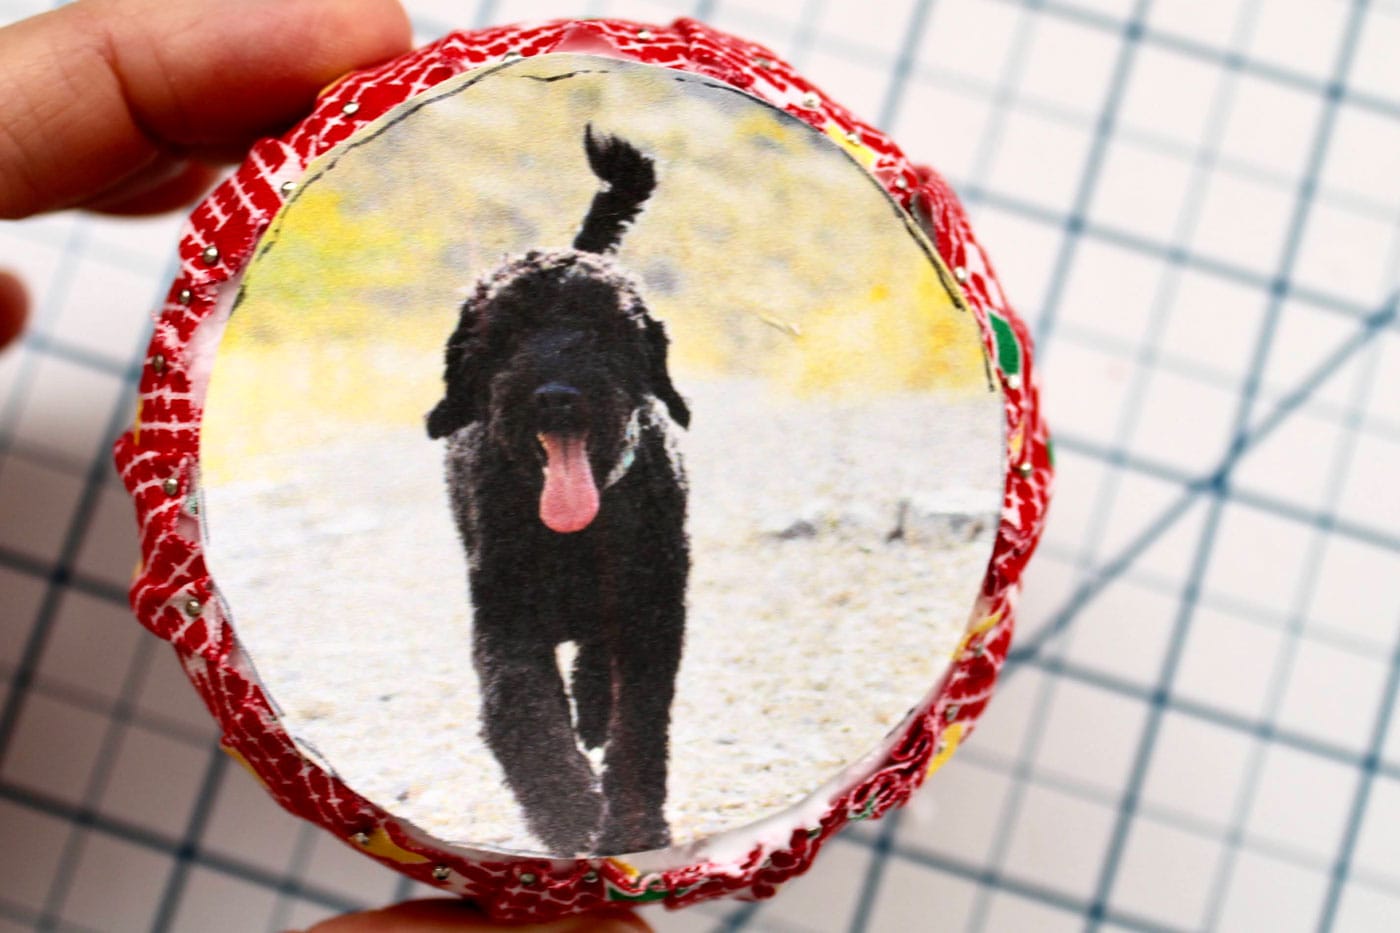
[1213, 483]
[296, 868]
[1145, 357]
[51, 460]
[1343, 457]
[98, 781]
[1199, 827]
[805, 38]
[59, 349]
[126, 831]
[1341, 870]
[1253, 378]
[740, 918]
[1186, 222]
[188, 849]
[1145, 466]
[1370, 768]
[1230, 59]
[904, 63]
[1044, 328]
[42, 319]
[1001, 98]
[1205, 374]
[92, 702]
[82, 516]
[874, 870]
[1318, 521]
[988, 879]
[1151, 249]
[1234, 722]
[60, 575]
[1247, 610]
[1093, 164]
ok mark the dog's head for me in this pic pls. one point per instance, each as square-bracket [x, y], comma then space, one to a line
[557, 358]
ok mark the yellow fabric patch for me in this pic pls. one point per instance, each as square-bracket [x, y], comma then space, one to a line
[950, 739]
[382, 846]
[861, 153]
[237, 756]
[627, 869]
[981, 628]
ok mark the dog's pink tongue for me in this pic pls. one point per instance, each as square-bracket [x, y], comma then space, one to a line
[570, 497]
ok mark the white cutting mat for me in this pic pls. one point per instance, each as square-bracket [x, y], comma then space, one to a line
[1197, 206]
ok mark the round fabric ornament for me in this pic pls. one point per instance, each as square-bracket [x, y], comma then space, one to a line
[583, 463]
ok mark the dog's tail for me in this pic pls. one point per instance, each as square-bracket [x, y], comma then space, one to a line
[628, 179]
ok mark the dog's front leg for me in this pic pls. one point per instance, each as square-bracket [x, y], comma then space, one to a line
[635, 765]
[525, 718]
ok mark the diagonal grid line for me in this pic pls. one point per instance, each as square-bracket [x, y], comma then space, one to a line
[1215, 482]
[1254, 376]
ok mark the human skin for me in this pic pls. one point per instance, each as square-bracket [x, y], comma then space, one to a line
[129, 106]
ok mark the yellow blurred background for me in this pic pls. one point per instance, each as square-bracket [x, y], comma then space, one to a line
[766, 249]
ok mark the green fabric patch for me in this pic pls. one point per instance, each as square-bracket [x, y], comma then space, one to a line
[654, 893]
[1008, 348]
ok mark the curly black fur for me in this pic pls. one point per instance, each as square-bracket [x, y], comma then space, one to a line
[560, 343]
[628, 180]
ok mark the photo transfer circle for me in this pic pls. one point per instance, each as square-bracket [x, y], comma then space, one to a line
[596, 460]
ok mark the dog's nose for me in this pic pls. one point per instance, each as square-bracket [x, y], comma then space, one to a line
[556, 398]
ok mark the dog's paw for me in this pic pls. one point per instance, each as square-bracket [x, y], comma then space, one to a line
[569, 827]
[619, 838]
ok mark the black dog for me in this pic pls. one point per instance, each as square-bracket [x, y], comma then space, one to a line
[571, 503]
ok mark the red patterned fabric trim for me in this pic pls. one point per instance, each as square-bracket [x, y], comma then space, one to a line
[173, 595]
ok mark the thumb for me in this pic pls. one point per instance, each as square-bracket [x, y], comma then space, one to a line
[13, 305]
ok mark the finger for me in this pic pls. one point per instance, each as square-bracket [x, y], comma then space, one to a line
[96, 92]
[13, 308]
[166, 184]
[455, 916]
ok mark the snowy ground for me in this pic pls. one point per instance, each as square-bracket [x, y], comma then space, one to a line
[809, 634]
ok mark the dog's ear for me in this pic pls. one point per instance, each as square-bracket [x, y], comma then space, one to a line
[458, 407]
[659, 375]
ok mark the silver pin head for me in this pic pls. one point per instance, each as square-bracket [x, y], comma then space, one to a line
[1025, 468]
[184, 296]
[765, 63]
[901, 183]
[171, 485]
[350, 108]
[951, 712]
[360, 839]
[512, 56]
[441, 873]
[528, 877]
[645, 35]
[1013, 380]
[811, 101]
[210, 256]
[960, 273]
[193, 607]
[590, 876]
[287, 187]
[158, 363]
[854, 137]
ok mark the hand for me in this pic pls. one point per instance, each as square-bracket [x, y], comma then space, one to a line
[452, 916]
[125, 106]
